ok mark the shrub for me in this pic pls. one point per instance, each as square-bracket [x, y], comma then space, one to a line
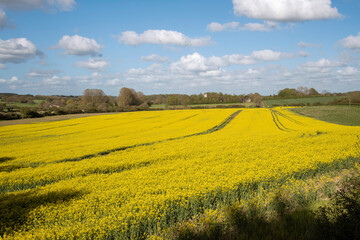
[341, 219]
[29, 113]
[317, 104]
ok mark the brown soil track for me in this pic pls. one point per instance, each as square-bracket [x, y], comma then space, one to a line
[49, 118]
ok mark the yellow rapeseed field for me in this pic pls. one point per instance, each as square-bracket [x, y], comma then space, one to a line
[132, 174]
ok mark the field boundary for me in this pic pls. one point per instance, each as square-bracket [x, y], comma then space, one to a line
[54, 118]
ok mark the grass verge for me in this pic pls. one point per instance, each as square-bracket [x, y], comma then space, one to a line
[334, 114]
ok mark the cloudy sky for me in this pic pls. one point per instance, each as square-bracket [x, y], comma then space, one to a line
[178, 46]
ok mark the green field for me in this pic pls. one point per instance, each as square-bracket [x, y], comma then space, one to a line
[212, 105]
[335, 114]
[282, 102]
[19, 104]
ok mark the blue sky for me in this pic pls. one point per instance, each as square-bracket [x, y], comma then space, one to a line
[180, 46]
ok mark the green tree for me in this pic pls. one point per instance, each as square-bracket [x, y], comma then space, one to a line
[313, 92]
[288, 92]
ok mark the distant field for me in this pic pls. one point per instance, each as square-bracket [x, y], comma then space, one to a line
[203, 105]
[281, 102]
[335, 114]
[18, 104]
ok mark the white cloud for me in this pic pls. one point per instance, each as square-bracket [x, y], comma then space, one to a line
[322, 63]
[14, 80]
[37, 73]
[286, 10]
[96, 79]
[78, 45]
[12, 83]
[351, 42]
[194, 63]
[348, 71]
[210, 74]
[161, 37]
[3, 66]
[62, 5]
[95, 64]
[238, 59]
[17, 50]
[113, 82]
[195, 71]
[304, 45]
[155, 58]
[263, 27]
[54, 80]
[217, 27]
[269, 55]
[266, 55]
[197, 63]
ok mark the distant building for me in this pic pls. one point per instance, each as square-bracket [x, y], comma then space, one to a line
[247, 100]
[205, 95]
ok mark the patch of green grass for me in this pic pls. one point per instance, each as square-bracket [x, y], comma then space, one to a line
[334, 114]
[225, 104]
[212, 105]
[157, 106]
[19, 104]
[281, 102]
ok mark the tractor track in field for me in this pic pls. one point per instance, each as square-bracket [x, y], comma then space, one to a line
[211, 130]
[117, 169]
[289, 118]
[277, 122]
[106, 152]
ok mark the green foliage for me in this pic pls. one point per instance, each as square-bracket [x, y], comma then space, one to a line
[355, 96]
[29, 113]
[299, 92]
[195, 99]
[286, 217]
[288, 93]
[341, 219]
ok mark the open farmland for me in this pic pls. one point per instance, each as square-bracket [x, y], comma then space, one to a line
[131, 175]
[343, 115]
[305, 101]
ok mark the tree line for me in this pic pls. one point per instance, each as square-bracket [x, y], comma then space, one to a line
[206, 98]
[14, 106]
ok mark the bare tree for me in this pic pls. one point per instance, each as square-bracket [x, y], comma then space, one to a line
[257, 99]
[94, 96]
[129, 97]
[303, 90]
